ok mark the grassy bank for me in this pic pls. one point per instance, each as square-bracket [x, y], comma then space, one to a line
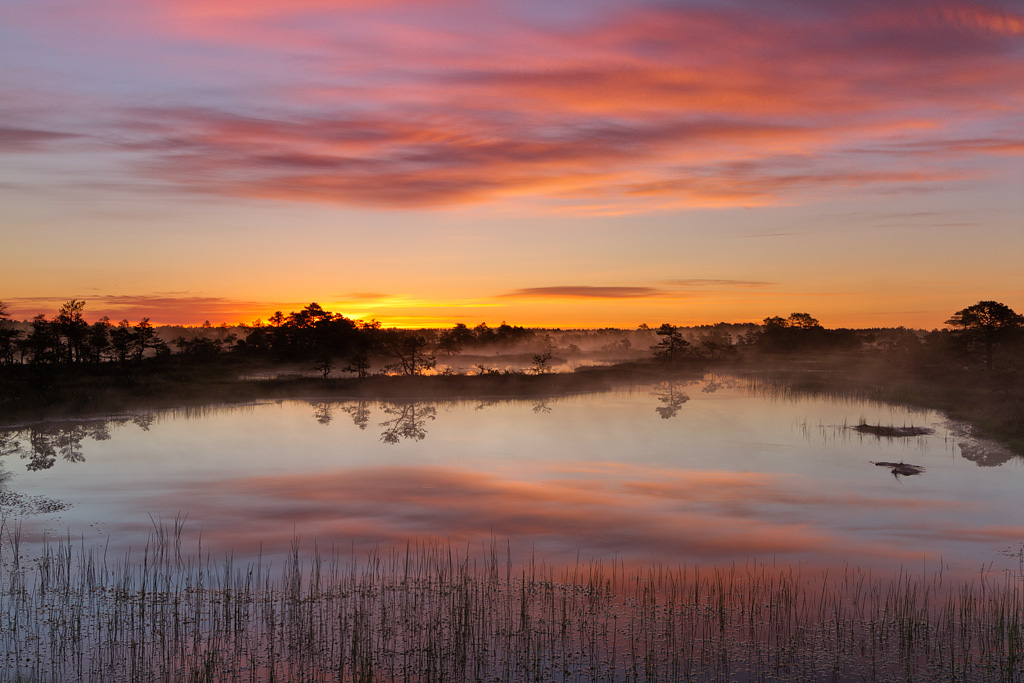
[436, 614]
[992, 403]
[54, 391]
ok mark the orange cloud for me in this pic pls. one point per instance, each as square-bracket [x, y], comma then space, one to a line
[162, 309]
[588, 292]
[619, 109]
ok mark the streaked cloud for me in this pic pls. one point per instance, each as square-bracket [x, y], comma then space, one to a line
[163, 308]
[645, 106]
[588, 292]
[703, 282]
[362, 296]
[27, 139]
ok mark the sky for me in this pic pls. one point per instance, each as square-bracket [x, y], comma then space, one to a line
[573, 164]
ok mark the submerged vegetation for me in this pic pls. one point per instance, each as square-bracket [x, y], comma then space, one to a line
[432, 613]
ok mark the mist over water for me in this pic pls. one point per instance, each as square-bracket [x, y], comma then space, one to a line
[708, 473]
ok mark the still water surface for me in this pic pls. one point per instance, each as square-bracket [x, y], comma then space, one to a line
[707, 473]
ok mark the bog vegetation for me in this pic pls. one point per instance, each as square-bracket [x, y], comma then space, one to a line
[435, 613]
[972, 369]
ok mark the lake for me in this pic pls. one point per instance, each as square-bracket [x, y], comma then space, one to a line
[714, 472]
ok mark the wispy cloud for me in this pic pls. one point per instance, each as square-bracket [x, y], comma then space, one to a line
[704, 282]
[26, 139]
[162, 308]
[630, 108]
[362, 296]
[588, 292]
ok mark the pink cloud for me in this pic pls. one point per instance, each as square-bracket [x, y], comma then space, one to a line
[631, 108]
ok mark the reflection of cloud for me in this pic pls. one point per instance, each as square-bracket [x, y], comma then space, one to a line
[667, 515]
[588, 292]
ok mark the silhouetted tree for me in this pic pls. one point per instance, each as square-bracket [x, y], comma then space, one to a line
[409, 351]
[454, 340]
[798, 332]
[324, 366]
[510, 335]
[9, 337]
[43, 344]
[987, 323]
[199, 347]
[672, 348]
[716, 342]
[144, 337]
[99, 340]
[358, 363]
[542, 363]
[121, 341]
[484, 334]
[71, 327]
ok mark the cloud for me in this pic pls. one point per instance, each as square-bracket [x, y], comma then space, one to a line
[362, 296]
[163, 308]
[27, 139]
[588, 292]
[702, 282]
[611, 108]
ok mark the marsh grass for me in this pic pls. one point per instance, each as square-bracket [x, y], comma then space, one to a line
[434, 613]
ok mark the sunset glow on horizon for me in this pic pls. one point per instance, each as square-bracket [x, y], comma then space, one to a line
[585, 164]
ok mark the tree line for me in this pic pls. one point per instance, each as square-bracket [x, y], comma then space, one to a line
[987, 334]
[310, 334]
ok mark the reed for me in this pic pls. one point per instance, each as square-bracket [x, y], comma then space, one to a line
[433, 613]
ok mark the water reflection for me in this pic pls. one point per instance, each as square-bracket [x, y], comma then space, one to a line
[359, 411]
[407, 421]
[43, 444]
[672, 397]
[731, 476]
[323, 413]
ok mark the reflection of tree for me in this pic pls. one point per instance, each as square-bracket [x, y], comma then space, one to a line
[360, 412]
[144, 420]
[9, 444]
[542, 408]
[985, 454]
[716, 382]
[41, 445]
[671, 394]
[323, 413]
[407, 422]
